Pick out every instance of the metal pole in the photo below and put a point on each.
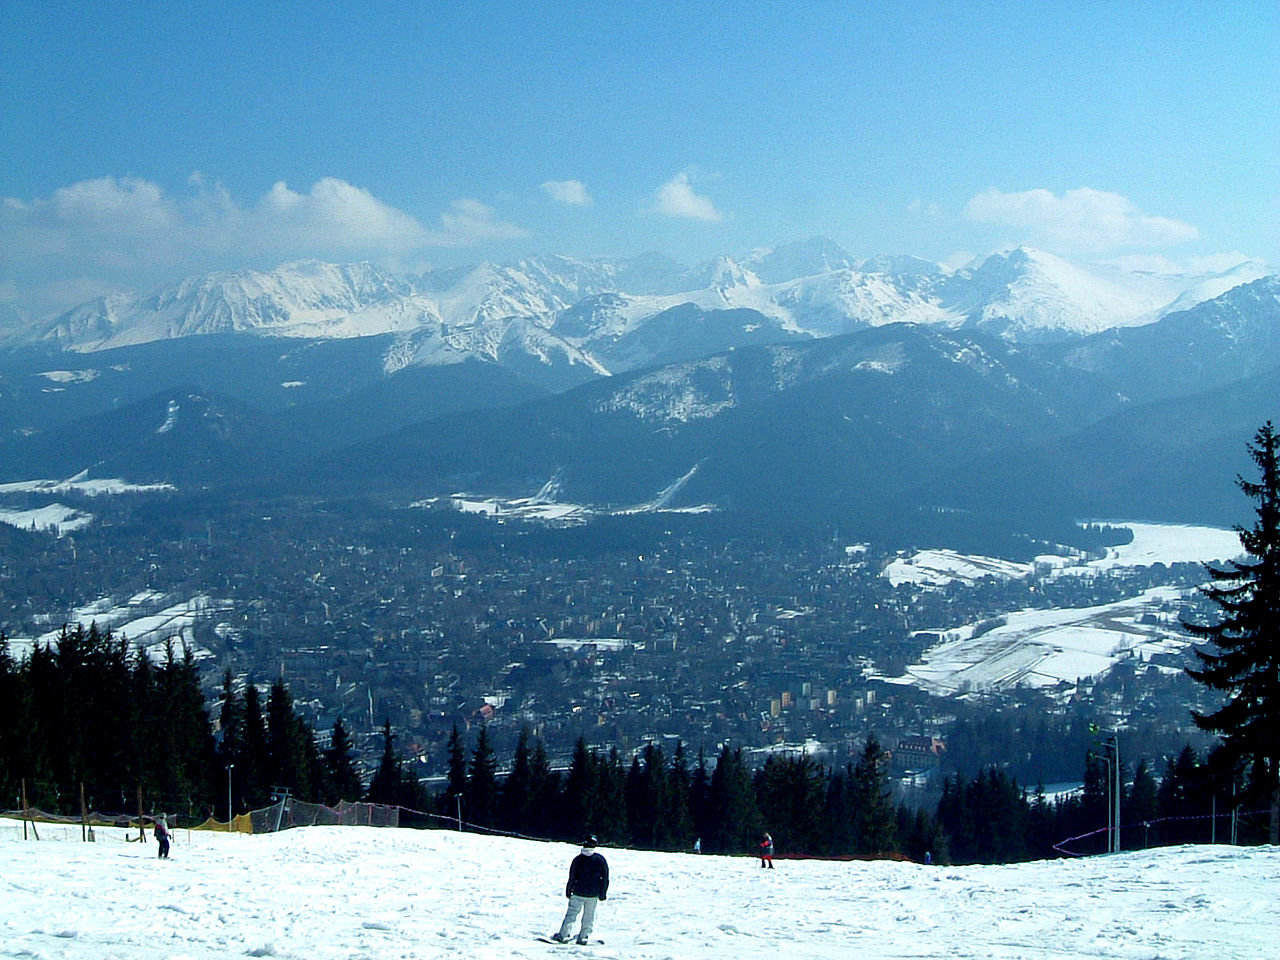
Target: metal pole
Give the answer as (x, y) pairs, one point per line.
(1110, 809)
(458, 797)
(1115, 739)
(230, 817)
(1213, 818)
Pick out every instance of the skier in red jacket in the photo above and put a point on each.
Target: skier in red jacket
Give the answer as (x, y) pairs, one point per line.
(766, 852)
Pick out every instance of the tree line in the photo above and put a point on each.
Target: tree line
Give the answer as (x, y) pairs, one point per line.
(88, 711)
(85, 711)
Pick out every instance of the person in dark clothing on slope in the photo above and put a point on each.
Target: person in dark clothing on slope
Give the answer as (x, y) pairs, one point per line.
(162, 836)
(588, 885)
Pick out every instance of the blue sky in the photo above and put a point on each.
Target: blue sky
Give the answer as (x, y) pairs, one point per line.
(144, 141)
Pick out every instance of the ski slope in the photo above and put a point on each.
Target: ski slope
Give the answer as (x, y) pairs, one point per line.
(361, 893)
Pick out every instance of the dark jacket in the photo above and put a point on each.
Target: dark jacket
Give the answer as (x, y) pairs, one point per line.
(588, 877)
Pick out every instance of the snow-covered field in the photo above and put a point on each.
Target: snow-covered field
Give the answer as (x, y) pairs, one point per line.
(1152, 543)
(360, 892)
(149, 620)
(55, 518)
(1040, 648)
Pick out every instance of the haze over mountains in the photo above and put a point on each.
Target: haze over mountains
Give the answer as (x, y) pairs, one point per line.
(795, 381)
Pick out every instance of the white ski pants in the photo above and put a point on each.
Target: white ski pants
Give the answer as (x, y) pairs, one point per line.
(587, 907)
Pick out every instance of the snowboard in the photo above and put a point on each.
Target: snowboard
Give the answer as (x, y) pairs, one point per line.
(571, 942)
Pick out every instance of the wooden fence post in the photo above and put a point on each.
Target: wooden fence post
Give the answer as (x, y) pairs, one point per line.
(142, 834)
(26, 813)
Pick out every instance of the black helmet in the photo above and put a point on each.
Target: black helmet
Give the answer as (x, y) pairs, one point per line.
(590, 842)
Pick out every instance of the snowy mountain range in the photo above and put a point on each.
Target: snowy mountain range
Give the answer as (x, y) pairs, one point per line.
(790, 383)
(567, 320)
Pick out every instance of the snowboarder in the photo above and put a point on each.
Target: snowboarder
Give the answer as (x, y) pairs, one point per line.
(588, 885)
(766, 852)
(162, 836)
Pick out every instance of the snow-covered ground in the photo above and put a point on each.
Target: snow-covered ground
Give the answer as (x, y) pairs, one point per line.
(360, 892)
(55, 518)
(149, 620)
(1152, 543)
(82, 484)
(1041, 648)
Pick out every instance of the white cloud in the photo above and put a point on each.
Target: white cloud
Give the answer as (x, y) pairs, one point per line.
(572, 192)
(676, 198)
(1082, 221)
(470, 221)
(106, 234)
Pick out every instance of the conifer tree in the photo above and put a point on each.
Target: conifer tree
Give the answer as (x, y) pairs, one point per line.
(579, 793)
(387, 784)
(456, 784)
(291, 751)
(791, 793)
(872, 802)
(544, 791)
(1138, 807)
(837, 812)
(648, 800)
(11, 723)
(700, 797)
(253, 767)
(517, 789)
(1245, 663)
(480, 796)
(342, 779)
(734, 823)
(231, 743)
(679, 815)
(607, 818)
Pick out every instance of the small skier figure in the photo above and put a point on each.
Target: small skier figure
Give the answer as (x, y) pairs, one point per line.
(588, 885)
(162, 836)
(766, 852)
(697, 845)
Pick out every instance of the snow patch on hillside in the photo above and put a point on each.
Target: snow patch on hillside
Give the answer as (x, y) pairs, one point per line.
(55, 518)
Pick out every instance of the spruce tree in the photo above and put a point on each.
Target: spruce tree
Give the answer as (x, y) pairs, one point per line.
(386, 785)
(579, 794)
(1246, 662)
(1139, 806)
(342, 778)
(480, 797)
(608, 814)
(253, 766)
(231, 744)
(791, 794)
(733, 821)
(700, 797)
(11, 723)
(872, 802)
(544, 793)
(514, 798)
(456, 784)
(680, 816)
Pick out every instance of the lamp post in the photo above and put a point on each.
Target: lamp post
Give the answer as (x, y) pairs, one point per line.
(230, 767)
(1114, 782)
(1110, 828)
(1115, 749)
